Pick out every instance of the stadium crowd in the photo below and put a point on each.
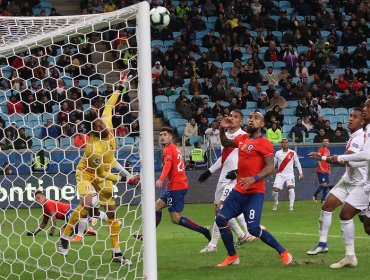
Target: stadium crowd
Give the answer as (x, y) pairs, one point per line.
(297, 62)
(284, 58)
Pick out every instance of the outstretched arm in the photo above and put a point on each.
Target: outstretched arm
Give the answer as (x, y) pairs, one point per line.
(42, 225)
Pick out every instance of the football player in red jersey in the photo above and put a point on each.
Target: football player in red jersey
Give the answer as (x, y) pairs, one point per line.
(177, 186)
(256, 161)
(57, 210)
(323, 171)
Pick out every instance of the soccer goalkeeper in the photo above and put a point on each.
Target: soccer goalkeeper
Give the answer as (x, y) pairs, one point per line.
(94, 172)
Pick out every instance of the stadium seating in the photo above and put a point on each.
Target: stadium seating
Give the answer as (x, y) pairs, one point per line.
(196, 138)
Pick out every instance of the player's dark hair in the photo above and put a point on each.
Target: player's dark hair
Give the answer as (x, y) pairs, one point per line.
(356, 109)
(38, 192)
(167, 129)
(325, 138)
(238, 111)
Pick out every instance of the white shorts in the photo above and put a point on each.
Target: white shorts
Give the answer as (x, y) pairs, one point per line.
(359, 200)
(342, 189)
(227, 189)
(282, 179)
(219, 191)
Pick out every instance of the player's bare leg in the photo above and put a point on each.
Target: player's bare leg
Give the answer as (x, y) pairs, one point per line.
(114, 228)
(330, 204)
(79, 213)
(348, 233)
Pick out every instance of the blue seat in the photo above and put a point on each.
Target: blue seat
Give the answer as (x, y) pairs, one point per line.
(225, 104)
(172, 98)
(310, 137)
(251, 105)
(217, 64)
(179, 89)
(173, 120)
(167, 107)
(196, 138)
(46, 116)
(129, 141)
(288, 112)
(341, 111)
(36, 143)
(157, 43)
(290, 120)
(168, 114)
(180, 130)
(302, 49)
(287, 127)
(160, 98)
(324, 34)
(96, 82)
(327, 111)
(65, 142)
(227, 65)
(279, 64)
(284, 4)
(50, 144)
(168, 43)
(180, 122)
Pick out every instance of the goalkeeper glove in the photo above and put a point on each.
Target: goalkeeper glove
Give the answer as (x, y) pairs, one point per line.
(31, 233)
(125, 79)
(204, 176)
(132, 180)
(231, 175)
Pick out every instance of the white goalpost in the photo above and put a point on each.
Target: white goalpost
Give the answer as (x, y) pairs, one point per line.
(57, 73)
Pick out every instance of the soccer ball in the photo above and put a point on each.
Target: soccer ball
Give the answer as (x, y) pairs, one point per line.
(159, 17)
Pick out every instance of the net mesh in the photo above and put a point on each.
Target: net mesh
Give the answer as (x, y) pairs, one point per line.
(56, 76)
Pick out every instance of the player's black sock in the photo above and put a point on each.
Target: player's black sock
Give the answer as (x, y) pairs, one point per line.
(267, 238)
(158, 217)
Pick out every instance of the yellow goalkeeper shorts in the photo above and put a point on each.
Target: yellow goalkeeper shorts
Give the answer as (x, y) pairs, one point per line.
(86, 184)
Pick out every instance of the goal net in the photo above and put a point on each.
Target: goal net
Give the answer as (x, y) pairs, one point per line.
(56, 75)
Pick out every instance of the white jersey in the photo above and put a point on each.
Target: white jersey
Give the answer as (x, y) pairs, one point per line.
(361, 158)
(355, 144)
(285, 162)
(229, 158)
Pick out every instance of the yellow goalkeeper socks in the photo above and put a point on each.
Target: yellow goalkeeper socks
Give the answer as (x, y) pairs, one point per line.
(114, 233)
(78, 214)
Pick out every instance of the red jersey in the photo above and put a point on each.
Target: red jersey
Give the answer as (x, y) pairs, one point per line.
(53, 206)
(173, 168)
(323, 152)
(252, 153)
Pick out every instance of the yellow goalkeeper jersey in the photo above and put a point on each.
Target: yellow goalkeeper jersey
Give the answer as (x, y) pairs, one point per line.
(99, 158)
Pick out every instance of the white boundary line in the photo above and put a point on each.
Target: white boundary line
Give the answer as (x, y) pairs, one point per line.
(45, 268)
(312, 234)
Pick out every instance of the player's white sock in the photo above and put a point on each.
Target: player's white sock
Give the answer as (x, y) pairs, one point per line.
(242, 221)
(82, 224)
(348, 233)
(324, 225)
(236, 228)
(275, 196)
(116, 250)
(215, 236)
(102, 216)
(291, 197)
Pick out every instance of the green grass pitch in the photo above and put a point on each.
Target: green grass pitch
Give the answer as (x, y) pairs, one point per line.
(178, 249)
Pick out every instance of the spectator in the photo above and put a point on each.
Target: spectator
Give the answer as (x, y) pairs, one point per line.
(288, 92)
(360, 99)
(298, 132)
(307, 123)
(207, 110)
(278, 100)
(337, 137)
(274, 115)
(321, 135)
(40, 163)
(213, 135)
(343, 131)
(263, 101)
(271, 54)
(134, 129)
(197, 100)
(110, 7)
(217, 109)
(121, 131)
(333, 101)
(328, 131)
(319, 123)
(345, 59)
(15, 106)
(347, 99)
(194, 85)
(5, 169)
(157, 70)
(8, 141)
(290, 58)
(81, 138)
(50, 130)
(23, 141)
(302, 108)
(273, 134)
(203, 125)
(191, 129)
(187, 109)
(301, 71)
